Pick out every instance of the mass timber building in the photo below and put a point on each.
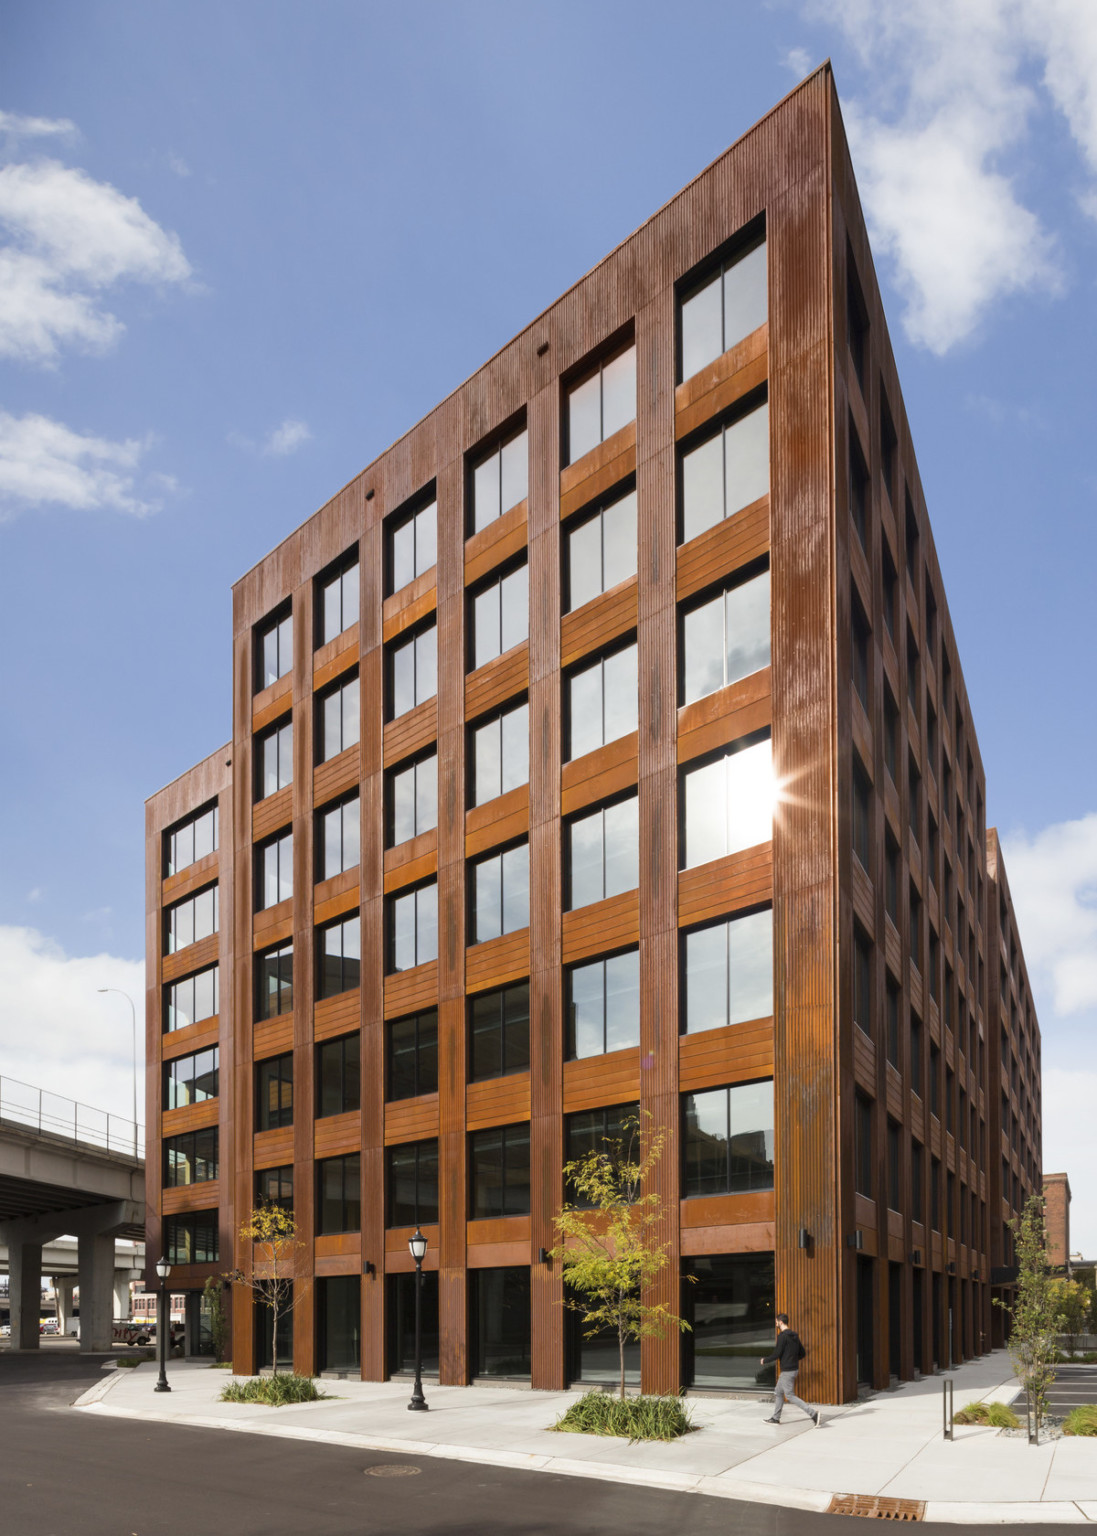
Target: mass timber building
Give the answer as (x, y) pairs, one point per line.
(604, 744)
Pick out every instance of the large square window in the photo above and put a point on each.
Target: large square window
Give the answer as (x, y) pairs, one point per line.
(725, 637)
(726, 305)
(728, 802)
(273, 648)
(192, 919)
(191, 1158)
(411, 799)
(274, 760)
(600, 550)
(339, 1194)
(725, 472)
(603, 853)
(338, 843)
(191, 999)
(499, 1172)
(412, 671)
(498, 1032)
(499, 480)
(602, 701)
(601, 403)
(500, 616)
(413, 1184)
(500, 754)
(602, 1005)
(412, 1056)
(411, 544)
(412, 927)
(499, 890)
(192, 840)
(274, 1092)
(339, 950)
(338, 718)
(274, 982)
(727, 1140)
(337, 600)
(728, 972)
(338, 1076)
(274, 872)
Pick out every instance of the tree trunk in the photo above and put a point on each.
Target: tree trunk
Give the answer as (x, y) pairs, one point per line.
(274, 1335)
(621, 1356)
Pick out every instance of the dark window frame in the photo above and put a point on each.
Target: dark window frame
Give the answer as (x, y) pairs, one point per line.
(277, 1069)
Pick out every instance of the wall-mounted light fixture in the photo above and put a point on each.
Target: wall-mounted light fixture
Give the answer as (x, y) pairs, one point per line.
(856, 1239)
(543, 1256)
(804, 1239)
(916, 1256)
(369, 1268)
(952, 1266)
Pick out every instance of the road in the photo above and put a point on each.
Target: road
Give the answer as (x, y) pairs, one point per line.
(72, 1474)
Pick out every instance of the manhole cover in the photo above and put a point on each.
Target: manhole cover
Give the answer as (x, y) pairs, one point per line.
(392, 1471)
(875, 1508)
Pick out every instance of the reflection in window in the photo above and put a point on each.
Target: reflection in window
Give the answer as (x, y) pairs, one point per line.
(413, 927)
(191, 1079)
(729, 304)
(500, 894)
(411, 799)
(726, 638)
(340, 952)
(274, 875)
(274, 1092)
(603, 853)
(274, 760)
(611, 1130)
(338, 602)
(339, 840)
(601, 550)
(191, 1158)
(274, 1187)
(192, 841)
(500, 752)
(191, 1238)
(192, 998)
(499, 1172)
(274, 982)
(339, 718)
(601, 404)
(412, 671)
(191, 920)
(728, 1140)
(339, 1189)
(726, 472)
(411, 545)
(499, 481)
(338, 1077)
(602, 1003)
(274, 649)
(499, 1033)
(602, 701)
(729, 802)
(500, 616)
(413, 1184)
(730, 1308)
(729, 972)
(412, 1055)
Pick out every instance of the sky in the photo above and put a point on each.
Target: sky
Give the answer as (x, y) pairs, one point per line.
(244, 246)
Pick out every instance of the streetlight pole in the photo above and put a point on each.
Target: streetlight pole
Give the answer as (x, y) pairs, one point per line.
(163, 1325)
(418, 1245)
(133, 1015)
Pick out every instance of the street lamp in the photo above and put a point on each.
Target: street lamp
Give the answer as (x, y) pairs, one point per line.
(418, 1245)
(163, 1325)
(133, 1015)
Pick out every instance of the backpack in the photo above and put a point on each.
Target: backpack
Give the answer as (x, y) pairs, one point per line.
(801, 1351)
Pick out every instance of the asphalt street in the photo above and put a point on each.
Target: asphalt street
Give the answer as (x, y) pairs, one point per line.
(72, 1474)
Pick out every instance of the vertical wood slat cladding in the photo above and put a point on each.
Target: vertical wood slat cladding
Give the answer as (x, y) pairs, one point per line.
(788, 168)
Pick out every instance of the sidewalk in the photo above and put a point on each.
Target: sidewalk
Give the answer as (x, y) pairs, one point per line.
(890, 1445)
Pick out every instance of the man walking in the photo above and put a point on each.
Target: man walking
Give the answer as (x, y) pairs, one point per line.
(788, 1353)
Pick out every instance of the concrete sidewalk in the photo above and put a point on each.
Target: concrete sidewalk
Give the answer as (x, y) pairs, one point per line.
(890, 1445)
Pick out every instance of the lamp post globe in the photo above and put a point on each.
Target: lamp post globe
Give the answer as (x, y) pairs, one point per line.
(417, 1244)
(163, 1325)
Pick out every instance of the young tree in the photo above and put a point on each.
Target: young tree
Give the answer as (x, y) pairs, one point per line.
(608, 1238)
(218, 1322)
(1033, 1342)
(271, 1235)
(1072, 1300)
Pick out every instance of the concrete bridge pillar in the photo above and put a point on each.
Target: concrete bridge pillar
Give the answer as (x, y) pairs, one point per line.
(64, 1286)
(95, 1263)
(121, 1297)
(25, 1291)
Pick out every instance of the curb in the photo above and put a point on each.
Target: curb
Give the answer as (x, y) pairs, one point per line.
(811, 1499)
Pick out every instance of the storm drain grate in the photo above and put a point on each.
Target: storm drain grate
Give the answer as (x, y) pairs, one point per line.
(875, 1508)
(392, 1470)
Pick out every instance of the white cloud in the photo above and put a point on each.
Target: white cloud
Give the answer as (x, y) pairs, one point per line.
(938, 133)
(798, 60)
(19, 127)
(57, 1033)
(43, 462)
(178, 165)
(287, 438)
(1070, 1146)
(69, 238)
(1053, 878)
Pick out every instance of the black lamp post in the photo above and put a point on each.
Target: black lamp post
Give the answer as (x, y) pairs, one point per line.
(163, 1325)
(418, 1245)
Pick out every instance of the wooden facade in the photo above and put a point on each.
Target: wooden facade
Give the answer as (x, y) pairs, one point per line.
(877, 1290)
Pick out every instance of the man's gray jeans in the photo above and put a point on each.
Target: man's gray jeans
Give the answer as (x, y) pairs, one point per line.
(785, 1392)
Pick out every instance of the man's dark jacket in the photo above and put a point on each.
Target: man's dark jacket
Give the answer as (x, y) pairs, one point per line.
(786, 1351)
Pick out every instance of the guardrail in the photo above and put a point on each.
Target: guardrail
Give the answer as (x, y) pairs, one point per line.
(53, 1115)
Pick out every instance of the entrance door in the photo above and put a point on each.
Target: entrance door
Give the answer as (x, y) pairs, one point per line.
(919, 1321)
(895, 1319)
(865, 1279)
(338, 1323)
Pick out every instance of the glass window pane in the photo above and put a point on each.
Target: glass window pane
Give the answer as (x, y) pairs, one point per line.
(585, 860)
(426, 794)
(516, 1028)
(702, 340)
(426, 665)
(486, 751)
(584, 418)
(622, 823)
(516, 1196)
(706, 813)
(427, 923)
(403, 932)
(705, 1132)
(706, 979)
(585, 710)
(403, 554)
(515, 472)
(426, 538)
(751, 1164)
(618, 393)
(619, 541)
(586, 1010)
(349, 695)
(703, 644)
(487, 900)
(485, 492)
(487, 1173)
(702, 487)
(514, 603)
(349, 583)
(204, 839)
(403, 806)
(428, 1181)
(623, 1001)
(331, 727)
(515, 734)
(747, 444)
(620, 693)
(750, 796)
(428, 1052)
(332, 623)
(403, 678)
(285, 756)
(750, 967)
(486, 1052)
(748, 628)
(402, 1078)
(584, 562)
(485, 625)
(516, 888)
(744, 296)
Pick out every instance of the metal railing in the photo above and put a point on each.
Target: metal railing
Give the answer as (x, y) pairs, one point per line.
(53, 1115)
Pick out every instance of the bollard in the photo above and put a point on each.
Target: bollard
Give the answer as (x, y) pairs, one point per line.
(947, 1408)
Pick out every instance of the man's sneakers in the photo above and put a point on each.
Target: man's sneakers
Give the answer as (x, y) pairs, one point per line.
(771, 1421)
(816, 1419)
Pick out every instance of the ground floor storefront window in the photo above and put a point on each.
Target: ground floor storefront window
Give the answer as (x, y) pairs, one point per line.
(338, 1323)
(730, 1307)
(500, 1313)
(199, 1324)
(401, 1322)
(264, 1336)
(597, 1360)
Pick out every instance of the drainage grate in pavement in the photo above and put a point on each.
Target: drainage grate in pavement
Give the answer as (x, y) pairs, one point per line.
(875, 1508)
(392, 1470)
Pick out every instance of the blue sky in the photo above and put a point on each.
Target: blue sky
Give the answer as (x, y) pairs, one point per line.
(245, 246)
